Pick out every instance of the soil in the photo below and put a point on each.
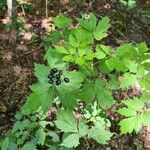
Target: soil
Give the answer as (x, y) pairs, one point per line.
(16, 67)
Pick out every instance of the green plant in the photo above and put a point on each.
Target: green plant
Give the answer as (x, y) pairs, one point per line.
(2, 8)
(128, 3)
(92, 71)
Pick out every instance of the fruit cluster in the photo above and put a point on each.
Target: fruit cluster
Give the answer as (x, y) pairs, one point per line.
(55, 76)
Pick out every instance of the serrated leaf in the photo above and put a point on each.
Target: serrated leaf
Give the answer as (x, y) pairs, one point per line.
(104, 95)
(113, 82)
(54, 136)
(135, 104)
(125, 49)
(99, 53)
(41, 72)
(132, 66)
(52, 57)
(104, 49)
(62, 21)
(83, 128)
(39, 99)
(80, 37)
(142, 47)
(127, 112)
(145, 82)
(128, 80)
(100, 135)
(89, 23)
(29, 146)
(146, 118)
(87, 93)
(55, 36)
(127, 125)
(116, 63)
(66, 121)
(61, 49)
(71, 141)
(105, 98)
(68, 58)
(131, 124)
(101, 29)
(41, 136)
(68, 91)
(90, 56)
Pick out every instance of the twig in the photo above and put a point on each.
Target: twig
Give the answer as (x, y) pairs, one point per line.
(46, 9)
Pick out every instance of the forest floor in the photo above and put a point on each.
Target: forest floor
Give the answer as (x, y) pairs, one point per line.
(16, 64)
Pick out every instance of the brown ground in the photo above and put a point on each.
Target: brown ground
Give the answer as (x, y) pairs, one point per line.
(16, 67)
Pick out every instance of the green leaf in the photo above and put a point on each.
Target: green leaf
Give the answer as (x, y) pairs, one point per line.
(128, 80)
(41, 136)
(68, 91)
(100, 135)
(142, 48)
(29, 146)
(42, 98)
(5, 144)
(125, 50)
(136, 115)
(71, 141)
(116, 63)
(127, 125)
(132, 66)
(127, 112)
(83, 128)
(66, 121)
(61, 49)
(100, 54)
(52, 57)
(113, 82)
(80, 37)
(87, 93)
(104, 95)
(62, 21)
(135, 104)
(101, 29)
(41, 72)
(145, 82)
(104, 48)
(68, 58)
(54, 136)
(89, 23)
(55, 36)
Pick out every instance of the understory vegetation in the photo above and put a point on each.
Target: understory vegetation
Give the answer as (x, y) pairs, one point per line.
(76, 85)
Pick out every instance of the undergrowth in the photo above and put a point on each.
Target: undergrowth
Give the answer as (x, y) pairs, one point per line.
(75, 87)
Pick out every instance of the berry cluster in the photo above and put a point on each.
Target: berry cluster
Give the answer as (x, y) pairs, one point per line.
(55, 76)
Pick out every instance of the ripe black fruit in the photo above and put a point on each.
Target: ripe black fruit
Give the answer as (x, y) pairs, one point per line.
(50, 81)
(58, 82)
(66, 80)
(57, 76)
(53, 71)
(50, 76)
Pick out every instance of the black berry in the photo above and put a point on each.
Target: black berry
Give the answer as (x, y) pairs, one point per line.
(58, 82)
(50, 81)
(66, 80)
(53, 71)
(57, 76)
(50, 76)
